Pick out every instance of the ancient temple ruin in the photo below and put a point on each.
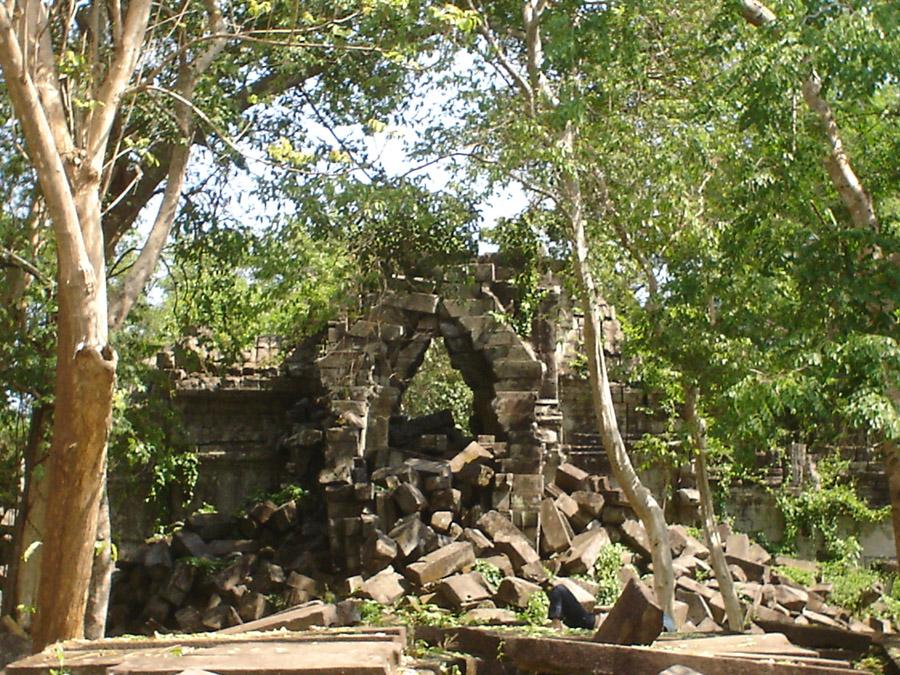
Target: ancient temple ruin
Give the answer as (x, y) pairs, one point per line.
(324, 413)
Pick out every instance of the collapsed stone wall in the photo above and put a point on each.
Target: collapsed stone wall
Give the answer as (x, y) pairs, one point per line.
(332, 399)
(321, 411)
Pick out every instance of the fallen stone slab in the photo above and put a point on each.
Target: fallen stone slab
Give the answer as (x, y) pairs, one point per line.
(378, 552)
(690, 565)
(556, 532)
(754, 571)
(635, 619)
(252, 606)
(494, 523)
(590, 506)
(501, 562)
(219, 617)
(584, 551)
(693, 586)
(821, 619)
(584, 598)
(314, 613)
(517, 548)
(281, 658)
(740, 545)
(190, 544)
(534, 572)
(441, 563)
(570, 478)
(478, 539)
(635, 537)
(566, 505)
(441, 521)
(491, 617)
(407, 533)
(164, 655)
(753, 647)
(285, 517)
(472, 453)
(818, 637)
(301, 588)
(410, 498)
(386, 587)
(792, 598)
(462, 591)
(557, 655)
(516, 592)
(426, 303)
(698, 606)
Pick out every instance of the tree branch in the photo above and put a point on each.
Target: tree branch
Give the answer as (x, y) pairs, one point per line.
(520, 81)
(75, 265)
(100, 119)
(143, 268)
(852, 193)
(11, 259)
(531, 15)
(41, 65)
(854, 196)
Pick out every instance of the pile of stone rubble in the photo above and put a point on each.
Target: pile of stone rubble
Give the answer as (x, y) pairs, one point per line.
(424, 525)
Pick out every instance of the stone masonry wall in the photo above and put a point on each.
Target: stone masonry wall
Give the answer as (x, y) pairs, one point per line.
(287, 415)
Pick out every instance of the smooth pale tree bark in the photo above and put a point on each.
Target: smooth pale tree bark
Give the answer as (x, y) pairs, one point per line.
(639, 497)
(862, 215)
(69, 165)
(188, 78)
(101, 572)
(843, 177)
(136, 280)
(68, 151)
(537, 96)
(22, 571)
(697, 427)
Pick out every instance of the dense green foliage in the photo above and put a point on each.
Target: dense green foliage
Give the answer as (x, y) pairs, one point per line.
(828, 512)
(438, 386)
(606, 573)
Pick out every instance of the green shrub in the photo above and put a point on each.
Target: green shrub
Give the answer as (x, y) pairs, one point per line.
(606, 573)
(851, 583)
(437, 385)
(535, 613)
(489, 571)
(371, 613)
(820, 511)
(802, 577)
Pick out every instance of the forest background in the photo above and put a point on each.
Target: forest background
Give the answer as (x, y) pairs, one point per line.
(725, 174)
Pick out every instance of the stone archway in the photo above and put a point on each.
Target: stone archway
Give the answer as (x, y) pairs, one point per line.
(368, 365)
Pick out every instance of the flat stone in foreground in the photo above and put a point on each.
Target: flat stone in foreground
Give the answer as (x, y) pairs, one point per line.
(331, 658)
(348, 652)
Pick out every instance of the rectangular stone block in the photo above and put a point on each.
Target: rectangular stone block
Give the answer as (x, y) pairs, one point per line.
(441, 563)
(425, 303)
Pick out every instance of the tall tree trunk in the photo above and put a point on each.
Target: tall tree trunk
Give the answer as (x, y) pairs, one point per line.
(85, 378)
(892, 468)
(697, 426)
(22, 575)
(101, 572)
(640, 498)
(891, 453)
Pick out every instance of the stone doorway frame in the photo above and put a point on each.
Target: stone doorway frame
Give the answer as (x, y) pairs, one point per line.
(368, 364)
